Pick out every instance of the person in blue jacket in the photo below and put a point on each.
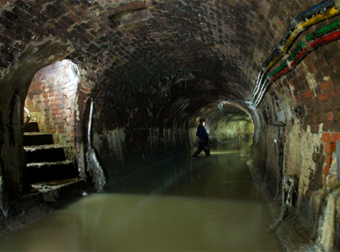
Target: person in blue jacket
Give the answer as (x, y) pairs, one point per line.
(203, 136)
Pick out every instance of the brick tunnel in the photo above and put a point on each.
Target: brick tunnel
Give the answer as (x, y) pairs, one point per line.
(119, 85)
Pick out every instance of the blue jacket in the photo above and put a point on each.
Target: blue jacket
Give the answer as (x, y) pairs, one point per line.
(202, 133)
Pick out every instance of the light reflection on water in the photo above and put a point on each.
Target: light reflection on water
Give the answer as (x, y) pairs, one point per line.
(204, 204)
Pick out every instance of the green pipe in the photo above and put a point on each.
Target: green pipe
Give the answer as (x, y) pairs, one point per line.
(277, 70)
(296, 50)
(324, 30)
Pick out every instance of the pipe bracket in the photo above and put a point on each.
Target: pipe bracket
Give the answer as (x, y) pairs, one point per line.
(300, 28)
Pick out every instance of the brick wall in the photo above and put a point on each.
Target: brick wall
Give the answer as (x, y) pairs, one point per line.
(51, 101)
(307, 100)
(222, 43)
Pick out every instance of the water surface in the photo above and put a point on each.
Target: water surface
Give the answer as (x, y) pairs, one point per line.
(188, 204)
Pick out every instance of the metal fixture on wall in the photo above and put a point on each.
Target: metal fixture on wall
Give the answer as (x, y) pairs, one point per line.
(289, 194)
(279, 148)
(93, 165)
(298, 111)
(338, 160)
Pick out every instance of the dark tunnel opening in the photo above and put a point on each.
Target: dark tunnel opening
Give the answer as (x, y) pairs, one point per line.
(145, 136)
(231, 123)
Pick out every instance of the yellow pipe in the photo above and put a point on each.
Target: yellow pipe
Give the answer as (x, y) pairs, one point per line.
(290, 40)
(300, 27)
(314, 20)
(274, 61)
(320, 17)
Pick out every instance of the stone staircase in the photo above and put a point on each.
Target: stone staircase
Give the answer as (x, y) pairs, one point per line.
(46, 161)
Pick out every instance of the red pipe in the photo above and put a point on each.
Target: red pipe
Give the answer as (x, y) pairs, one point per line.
(326, 39)
(300, 56)
(278, 75)
(319, 42)
(312, 46)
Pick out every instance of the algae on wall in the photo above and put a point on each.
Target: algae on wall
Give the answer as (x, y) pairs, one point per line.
(116, 139)
(233, 130)
(317, 201)
(301, 148)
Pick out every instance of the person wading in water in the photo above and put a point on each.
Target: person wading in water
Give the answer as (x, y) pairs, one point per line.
(203, 139)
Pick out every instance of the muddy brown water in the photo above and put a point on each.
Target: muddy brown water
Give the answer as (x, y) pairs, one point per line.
(188, 204)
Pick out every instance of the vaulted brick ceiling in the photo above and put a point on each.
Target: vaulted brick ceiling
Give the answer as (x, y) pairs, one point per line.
(200, 49)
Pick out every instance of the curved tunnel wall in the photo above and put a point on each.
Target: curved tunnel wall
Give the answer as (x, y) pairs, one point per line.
(305, 100)
(149, 77)
(137, 142)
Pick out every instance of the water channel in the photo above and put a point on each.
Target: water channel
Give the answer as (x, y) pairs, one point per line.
(187, 204)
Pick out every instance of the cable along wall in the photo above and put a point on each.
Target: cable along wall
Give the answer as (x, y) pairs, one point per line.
(327, 34)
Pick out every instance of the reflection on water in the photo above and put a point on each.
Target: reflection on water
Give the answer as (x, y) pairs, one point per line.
(189, 204)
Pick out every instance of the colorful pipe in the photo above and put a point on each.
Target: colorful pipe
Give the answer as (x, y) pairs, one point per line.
(321, 32)
(328, 11)
(299, 29)
(276, 74)
(323, 5)
(318, 13)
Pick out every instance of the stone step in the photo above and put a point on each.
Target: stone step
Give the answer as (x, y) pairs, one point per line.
(50, 171)
(44, 153)
(35, 138)
(31, 127)
(61, 191)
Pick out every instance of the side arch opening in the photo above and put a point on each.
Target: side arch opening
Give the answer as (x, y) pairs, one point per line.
(49, 138)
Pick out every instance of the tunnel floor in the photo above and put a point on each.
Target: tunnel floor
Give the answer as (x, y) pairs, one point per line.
(188, 204)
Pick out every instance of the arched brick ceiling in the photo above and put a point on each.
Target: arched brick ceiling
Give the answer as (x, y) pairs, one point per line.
(134, 48)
